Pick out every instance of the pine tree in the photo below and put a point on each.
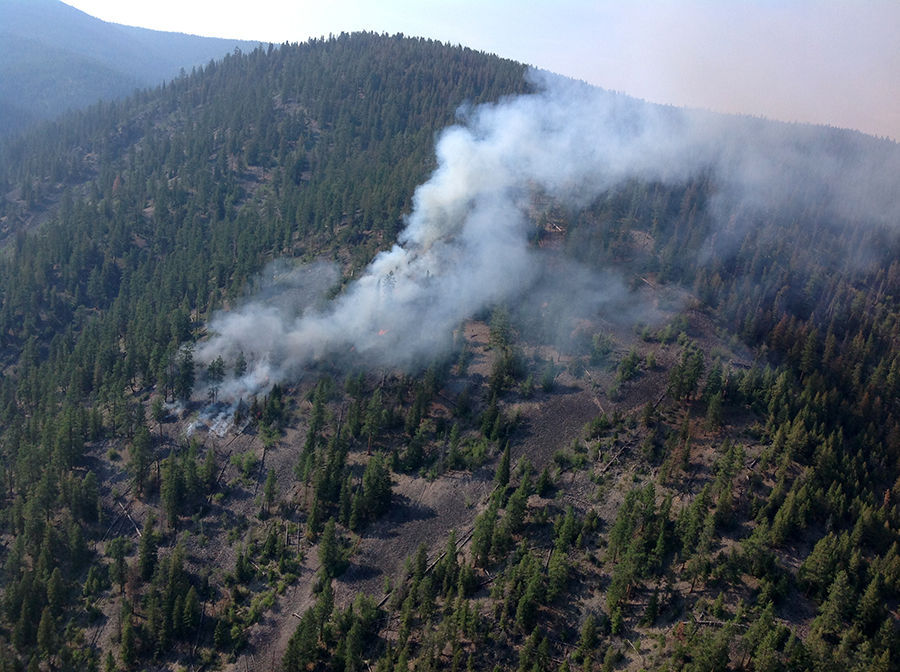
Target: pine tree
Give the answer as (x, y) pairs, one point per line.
(714, 411)
(446, 570)
(115, 549)
(147, 549)
(185, 376)
(353, 647)
(240, 365)
(46, 634)
(221, 638)
(330, 550)
(557, 575)
(190, 618)
(516, 508)
(128, 645)
(501, 476)
(376, 487)
(215, 374)
(172, 489)
(209, 471)
(483, 534)
(140, 457)
(314, 520)
(871, 610)
(55, 593)
(837, 607)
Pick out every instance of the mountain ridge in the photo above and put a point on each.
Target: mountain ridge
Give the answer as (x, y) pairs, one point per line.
(80, 59)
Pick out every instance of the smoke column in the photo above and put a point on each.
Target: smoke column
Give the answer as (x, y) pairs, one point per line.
(465, 244)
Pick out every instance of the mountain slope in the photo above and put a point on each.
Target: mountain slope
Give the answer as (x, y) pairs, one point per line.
(675, 448)
(54, 57)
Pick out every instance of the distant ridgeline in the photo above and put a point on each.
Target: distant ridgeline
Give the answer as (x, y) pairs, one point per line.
(54, 58)
(126, 225)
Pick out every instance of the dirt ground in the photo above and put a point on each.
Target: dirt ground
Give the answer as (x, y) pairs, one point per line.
(423, 510)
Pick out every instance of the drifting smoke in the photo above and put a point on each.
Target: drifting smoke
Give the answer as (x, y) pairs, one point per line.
(465, 245)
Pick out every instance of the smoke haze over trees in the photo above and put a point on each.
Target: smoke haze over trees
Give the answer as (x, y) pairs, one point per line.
(466, 243)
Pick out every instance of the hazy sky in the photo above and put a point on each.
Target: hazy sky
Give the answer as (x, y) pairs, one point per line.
(822, 61)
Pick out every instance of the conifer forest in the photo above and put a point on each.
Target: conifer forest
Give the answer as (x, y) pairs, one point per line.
(663, 435)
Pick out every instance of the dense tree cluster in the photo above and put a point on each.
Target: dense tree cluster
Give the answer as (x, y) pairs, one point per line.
(158, 209)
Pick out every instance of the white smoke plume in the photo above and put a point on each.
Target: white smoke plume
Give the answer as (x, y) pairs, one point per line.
(465, 244)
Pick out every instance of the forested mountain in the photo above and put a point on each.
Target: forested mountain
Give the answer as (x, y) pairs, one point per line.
(54, 57)
(703, 477)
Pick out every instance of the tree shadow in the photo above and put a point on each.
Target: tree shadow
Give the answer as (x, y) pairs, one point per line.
(360, 573)
(402, 511)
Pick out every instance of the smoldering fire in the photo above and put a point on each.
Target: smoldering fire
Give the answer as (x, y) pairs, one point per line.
(465, 243)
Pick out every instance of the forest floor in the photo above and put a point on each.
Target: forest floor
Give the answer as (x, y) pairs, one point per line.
(424, 508)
